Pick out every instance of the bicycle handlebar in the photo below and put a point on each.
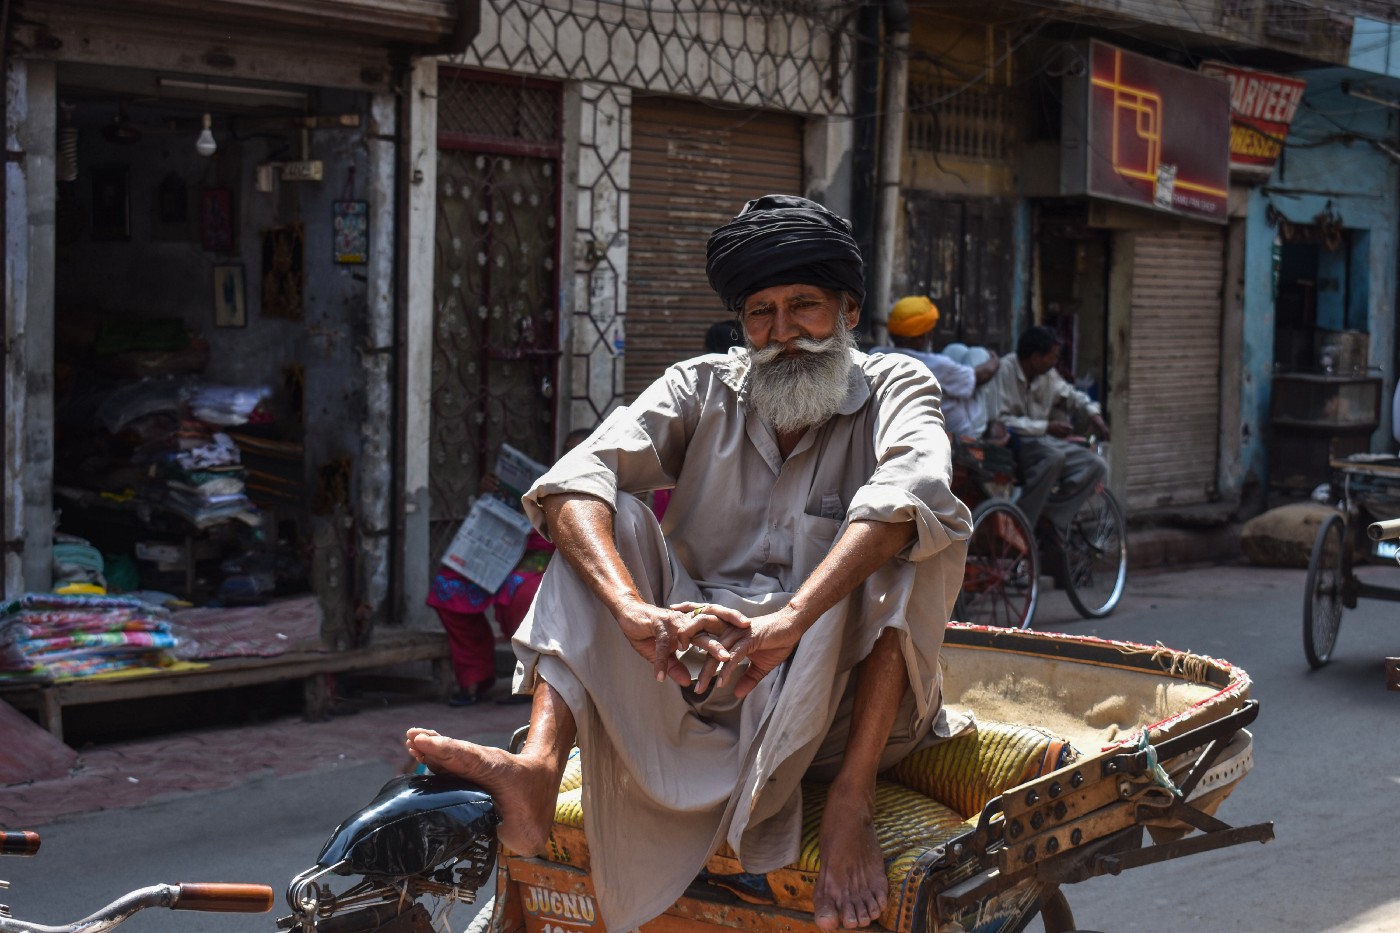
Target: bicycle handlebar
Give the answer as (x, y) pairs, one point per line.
(1383, 531)
(224, 898)
(19, 842)
(241, 898)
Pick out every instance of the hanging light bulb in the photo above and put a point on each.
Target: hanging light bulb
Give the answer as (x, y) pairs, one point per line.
(205, 145)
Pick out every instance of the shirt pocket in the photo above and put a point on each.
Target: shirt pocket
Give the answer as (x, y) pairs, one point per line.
(815, 536)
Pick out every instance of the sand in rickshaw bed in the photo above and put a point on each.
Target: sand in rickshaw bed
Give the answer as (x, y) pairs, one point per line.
(1094, 696)
(1073, 772)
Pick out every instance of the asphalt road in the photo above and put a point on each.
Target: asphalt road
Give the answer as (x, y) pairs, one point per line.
(264, 832)
(1327, 773)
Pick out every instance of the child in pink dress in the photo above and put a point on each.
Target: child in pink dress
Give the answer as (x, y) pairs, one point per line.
(461, 605)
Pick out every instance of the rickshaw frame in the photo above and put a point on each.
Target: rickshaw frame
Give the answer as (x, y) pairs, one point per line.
(1081, 821)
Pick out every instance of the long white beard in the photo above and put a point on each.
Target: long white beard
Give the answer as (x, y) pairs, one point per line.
(805, 389)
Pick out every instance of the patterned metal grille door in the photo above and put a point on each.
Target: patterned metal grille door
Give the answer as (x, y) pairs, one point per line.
(495, 346)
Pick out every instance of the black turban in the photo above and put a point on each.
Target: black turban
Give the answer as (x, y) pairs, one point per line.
(781, 239)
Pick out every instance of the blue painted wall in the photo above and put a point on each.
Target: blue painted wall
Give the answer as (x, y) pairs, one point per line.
(1375, 47)
(1330, 162)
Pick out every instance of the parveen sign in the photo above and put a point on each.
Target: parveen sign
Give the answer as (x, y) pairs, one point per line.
(1262, 107)
(1141, 131)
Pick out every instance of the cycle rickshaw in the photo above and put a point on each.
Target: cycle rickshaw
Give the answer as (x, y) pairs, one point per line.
(1365, 490)
(1001, 584)
(980, 833)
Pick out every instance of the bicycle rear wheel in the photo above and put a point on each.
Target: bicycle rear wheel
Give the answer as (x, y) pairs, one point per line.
(1322, 600)
(1096, 556)
(1001, 582)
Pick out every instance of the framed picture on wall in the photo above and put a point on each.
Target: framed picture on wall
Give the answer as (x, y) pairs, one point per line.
(216, 220)
(350, 232)
(111, 202)
(230, 304)
(283, 271)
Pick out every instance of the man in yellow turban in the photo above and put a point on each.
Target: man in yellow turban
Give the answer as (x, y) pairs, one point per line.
(910, 324)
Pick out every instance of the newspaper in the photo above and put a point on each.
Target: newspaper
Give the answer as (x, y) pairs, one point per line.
(517, 473)
(489, 544)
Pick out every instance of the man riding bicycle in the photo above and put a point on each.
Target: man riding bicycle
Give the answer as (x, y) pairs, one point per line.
(1057, 476)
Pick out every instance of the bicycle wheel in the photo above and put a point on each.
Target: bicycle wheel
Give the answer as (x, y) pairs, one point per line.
(1001, 583)
(1322, 600)
(1096, 556)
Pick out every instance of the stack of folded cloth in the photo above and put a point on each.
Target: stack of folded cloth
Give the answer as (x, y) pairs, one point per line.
(78, 567)
(205, 484)
(52, 637)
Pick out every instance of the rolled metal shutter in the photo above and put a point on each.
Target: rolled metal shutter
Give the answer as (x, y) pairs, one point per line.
(1174, 368)
(693, 167)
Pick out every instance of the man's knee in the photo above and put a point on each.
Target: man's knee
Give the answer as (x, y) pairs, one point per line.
(1087, 467)
(1098, 467)
(1043, 459)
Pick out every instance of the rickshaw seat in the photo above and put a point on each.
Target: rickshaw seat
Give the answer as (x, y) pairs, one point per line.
(928, 799)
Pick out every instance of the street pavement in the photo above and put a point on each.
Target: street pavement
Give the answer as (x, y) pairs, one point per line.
(256, 803)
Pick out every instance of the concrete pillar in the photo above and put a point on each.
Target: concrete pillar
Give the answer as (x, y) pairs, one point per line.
(31, 124)
(375, 477)
(417, 353)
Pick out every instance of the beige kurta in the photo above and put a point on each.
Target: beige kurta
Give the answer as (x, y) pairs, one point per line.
(1026, 406)
(669, 774)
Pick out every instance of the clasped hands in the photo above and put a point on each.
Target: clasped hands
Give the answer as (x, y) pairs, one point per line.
(726, 636)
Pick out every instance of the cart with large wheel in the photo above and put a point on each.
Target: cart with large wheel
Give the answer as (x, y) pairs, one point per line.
(1365, 493)
(985, 831)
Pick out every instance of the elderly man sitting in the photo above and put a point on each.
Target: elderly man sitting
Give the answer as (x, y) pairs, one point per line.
(784, 620)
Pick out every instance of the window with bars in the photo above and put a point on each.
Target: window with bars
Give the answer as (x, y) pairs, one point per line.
(979, 122)
(493, 110)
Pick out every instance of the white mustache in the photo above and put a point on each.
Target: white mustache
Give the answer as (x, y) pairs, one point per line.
(806, 344)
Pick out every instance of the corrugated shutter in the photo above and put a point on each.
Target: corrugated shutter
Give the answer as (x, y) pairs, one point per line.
(1174, 368)
(693, 167)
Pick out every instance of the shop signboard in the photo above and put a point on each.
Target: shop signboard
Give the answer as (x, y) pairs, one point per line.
(1262, 106)
(1143, 132)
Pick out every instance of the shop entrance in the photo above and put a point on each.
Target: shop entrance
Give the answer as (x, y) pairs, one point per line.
(206, 320)
(1324, 402)
(1320, 293)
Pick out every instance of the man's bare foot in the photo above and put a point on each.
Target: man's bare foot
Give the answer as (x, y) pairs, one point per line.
(851, 888)
(523, 786)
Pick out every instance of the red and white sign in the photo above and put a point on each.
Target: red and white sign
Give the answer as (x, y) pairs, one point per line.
(1262, 106)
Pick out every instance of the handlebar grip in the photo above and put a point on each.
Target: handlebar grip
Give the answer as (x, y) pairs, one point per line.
(224, 898)
(1381, 531)
(19, 842)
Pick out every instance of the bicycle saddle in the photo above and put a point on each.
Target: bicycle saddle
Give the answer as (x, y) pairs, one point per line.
(416, 824)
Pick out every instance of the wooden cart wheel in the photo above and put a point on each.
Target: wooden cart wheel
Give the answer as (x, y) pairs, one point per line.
(1001, 581)
(1322, 599)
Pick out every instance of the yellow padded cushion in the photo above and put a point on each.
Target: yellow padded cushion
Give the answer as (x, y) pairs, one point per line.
(967, 771)
(926, 800)
(573, 773)
(903, 818)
